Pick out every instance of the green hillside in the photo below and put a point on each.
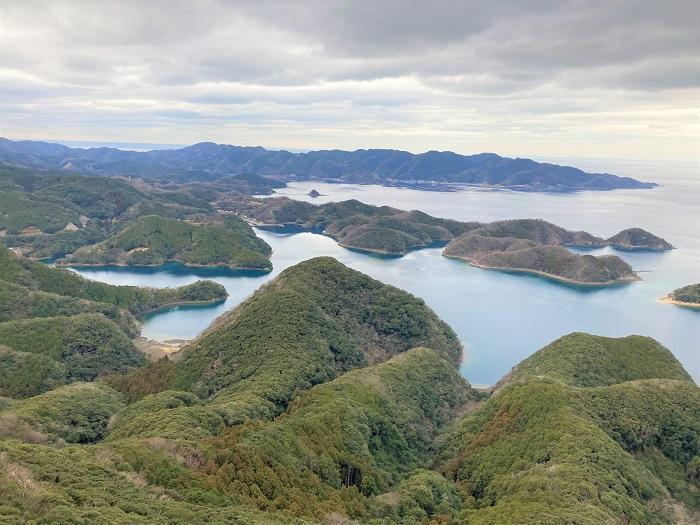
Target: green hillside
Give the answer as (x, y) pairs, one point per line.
(355, 224)
(331, 398)
(340, 442)
(551, 260)
(82, 347)
(154, 240)
(314, 322)
(552, 445)
(586, 360)
(77, 413)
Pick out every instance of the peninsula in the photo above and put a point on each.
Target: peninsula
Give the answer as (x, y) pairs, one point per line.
(152, 241)
(685, 296)
(524, 245)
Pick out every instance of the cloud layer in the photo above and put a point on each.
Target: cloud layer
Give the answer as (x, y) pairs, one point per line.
(578, 78)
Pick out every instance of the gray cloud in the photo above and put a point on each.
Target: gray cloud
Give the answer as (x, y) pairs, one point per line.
(409, 74)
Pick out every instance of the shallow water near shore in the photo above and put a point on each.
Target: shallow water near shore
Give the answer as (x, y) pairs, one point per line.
(500, 317)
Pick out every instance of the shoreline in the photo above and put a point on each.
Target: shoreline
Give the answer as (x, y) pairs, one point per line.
(211, 302)
(186, 265)
(155, 350)
(666, 299)
(550, 276)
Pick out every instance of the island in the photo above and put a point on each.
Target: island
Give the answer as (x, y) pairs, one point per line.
(635, 239)
(538, 247)
(524, 245)
(686, 296)
(331, 397)
(313, 194)
(210, 161)
(223, 241)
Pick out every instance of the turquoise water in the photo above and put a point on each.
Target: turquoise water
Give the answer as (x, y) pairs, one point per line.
(500, 318)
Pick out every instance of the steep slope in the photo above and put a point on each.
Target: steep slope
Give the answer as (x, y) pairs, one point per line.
(78, 348)
(624, 448)
(154, 240)
(342, 441)
(362, 166)
(317, 320)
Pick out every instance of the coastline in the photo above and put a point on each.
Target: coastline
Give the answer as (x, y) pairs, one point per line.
(210, 302)
(186, 265)
(666, 299)
(546, 275)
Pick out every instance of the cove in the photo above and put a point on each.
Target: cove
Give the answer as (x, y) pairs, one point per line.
(500, 317)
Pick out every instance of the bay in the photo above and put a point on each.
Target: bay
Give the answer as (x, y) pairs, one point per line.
(500, 317)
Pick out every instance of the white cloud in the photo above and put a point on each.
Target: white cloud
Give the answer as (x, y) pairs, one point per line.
(577, 78)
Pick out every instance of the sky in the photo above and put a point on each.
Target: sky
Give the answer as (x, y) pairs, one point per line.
(595, 79)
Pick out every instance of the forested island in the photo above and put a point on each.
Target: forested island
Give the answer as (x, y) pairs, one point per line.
(154, 240)
(208, 161)
(525, 245)
(356, 413)
(685, 296)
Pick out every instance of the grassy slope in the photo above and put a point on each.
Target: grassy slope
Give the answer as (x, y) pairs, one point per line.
(154, 240)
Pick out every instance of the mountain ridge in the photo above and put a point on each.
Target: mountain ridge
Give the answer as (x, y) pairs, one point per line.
(363, 166)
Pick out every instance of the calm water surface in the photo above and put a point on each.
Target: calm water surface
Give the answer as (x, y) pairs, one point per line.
(500, 318)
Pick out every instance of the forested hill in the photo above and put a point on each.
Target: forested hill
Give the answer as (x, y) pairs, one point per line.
(330, 397)
(207, 160)
(154, 240)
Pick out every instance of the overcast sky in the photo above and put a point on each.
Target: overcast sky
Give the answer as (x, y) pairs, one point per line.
(615, 79)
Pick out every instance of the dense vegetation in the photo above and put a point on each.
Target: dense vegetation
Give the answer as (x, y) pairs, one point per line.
(606, 445)
(586, 360)
(53, 350)
(57, 328)
(207, 160)
(329, 397)
(52, 214)
(687, 294)
(314, 322)
(154, 240)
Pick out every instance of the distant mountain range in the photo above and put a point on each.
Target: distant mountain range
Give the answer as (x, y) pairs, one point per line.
(208, 161)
